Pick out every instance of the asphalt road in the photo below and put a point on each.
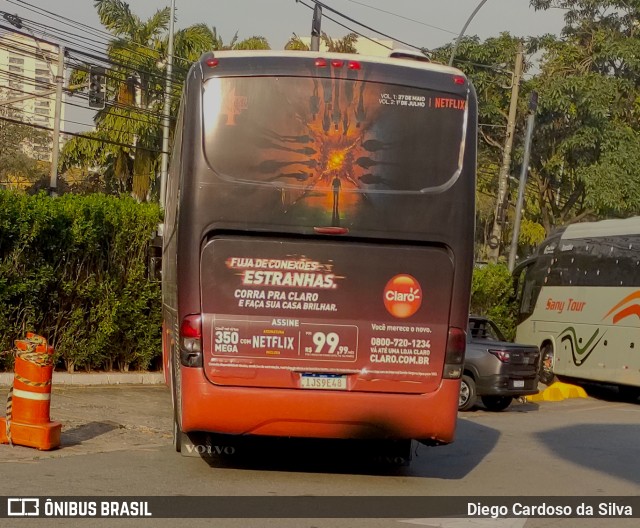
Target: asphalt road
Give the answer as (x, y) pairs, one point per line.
(117, 441)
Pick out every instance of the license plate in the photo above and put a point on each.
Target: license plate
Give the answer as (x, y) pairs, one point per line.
(518, 384)
(323, 381)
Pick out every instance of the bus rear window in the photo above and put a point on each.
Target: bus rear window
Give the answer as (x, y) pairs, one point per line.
(306, 135)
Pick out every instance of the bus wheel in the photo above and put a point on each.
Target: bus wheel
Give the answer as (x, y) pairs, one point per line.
(496, 403)
(467, 397)
(546, 365)
(177, 434)
(629, 393)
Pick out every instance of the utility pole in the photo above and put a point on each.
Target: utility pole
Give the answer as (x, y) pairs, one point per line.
(533, 105)
(164, 168)
(315, 28)
(503, 177)
(55, 152)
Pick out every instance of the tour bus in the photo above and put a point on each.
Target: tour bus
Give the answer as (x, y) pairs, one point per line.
(318, 247)
(579, 299)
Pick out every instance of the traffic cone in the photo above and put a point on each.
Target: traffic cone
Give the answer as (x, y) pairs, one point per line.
(28, 422)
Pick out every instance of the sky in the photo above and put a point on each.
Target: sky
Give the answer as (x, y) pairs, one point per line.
(421, 23)
(432, 22)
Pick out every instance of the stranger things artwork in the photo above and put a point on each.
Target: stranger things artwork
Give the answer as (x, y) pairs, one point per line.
(289, 153)
(336, 150)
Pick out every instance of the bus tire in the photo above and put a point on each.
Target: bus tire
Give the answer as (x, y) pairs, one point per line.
(629, 393)
(496, 403)
(545, 371)
(177, 434)
(467, 397)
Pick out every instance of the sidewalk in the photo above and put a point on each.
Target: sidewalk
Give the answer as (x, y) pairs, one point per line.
(97, 378)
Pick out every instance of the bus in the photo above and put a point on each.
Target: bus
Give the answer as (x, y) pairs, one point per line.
(579, 301)
(318, 247)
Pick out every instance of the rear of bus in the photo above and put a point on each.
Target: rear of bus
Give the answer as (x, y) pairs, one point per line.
(319, 246)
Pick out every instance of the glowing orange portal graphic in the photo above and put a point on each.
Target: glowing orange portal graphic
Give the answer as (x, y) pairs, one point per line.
(402, 296)
(337, 146)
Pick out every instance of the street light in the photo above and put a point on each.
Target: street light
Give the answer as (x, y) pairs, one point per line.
(464, 28)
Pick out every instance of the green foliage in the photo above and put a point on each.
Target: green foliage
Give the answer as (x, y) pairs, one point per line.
(346, 44)
(585, 157)
(135, 94)
(295, 43)
(492, 296)
(73, 269)
(15, 165)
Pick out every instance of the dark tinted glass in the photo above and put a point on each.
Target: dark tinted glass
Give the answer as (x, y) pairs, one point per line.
(308, 134)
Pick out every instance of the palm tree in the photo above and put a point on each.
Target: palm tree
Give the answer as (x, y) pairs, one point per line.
(346, 44)
(296, 44)
(135, 92)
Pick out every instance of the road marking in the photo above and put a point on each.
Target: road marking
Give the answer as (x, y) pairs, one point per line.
(469, 523)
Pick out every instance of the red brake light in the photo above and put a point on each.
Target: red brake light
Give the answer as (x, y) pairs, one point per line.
(321, 63)
(191, 327)
(353, 65)
(212, 63)
(454, 356)
(336, 63)
(458, 79)
(456, 346)
(502, 355)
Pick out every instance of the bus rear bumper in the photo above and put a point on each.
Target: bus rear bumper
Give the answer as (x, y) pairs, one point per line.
(430, 417)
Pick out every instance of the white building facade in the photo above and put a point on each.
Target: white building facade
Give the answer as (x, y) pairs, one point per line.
(29, 67)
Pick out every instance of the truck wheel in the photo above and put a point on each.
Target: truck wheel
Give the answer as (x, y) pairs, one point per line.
(496, 403)
(467, 397)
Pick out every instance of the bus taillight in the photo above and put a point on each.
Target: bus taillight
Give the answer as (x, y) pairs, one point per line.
(191, 341)
(212, 63)
(454, 357)
(458, 79)
(353, 65)
(321, 63)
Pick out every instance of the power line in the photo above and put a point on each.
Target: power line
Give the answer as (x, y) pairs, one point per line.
(403, 17)
(347, 27)
(37, 84)
(75, 24)
(75, 134)
(97, 55)
(354, 21)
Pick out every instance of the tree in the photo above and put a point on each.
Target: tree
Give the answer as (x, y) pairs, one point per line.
(133, 117)
(16, 166)
(587, 140)
(346, 44)
(489, 64)
(295, 43)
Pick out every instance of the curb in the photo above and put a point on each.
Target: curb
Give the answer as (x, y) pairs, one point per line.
(557, 392)
(97, 378)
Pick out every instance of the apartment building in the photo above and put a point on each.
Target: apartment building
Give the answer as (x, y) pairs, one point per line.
(29, 67)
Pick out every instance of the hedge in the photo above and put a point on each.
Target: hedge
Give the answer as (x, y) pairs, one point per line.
(74, 269)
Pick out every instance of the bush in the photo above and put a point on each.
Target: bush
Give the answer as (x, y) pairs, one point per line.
(73, 269)
(492, 296)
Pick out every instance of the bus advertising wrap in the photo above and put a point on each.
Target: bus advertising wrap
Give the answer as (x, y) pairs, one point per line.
(313, 315)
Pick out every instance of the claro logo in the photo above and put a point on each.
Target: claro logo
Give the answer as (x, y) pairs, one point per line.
(402, 296)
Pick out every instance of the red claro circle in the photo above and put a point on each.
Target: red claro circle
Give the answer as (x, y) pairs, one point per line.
(402, 296)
